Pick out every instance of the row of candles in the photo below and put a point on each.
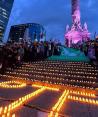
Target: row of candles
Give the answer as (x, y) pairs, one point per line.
(81, 81)
(12, 84)
(47, 80)
(64, 65)
(66, 81)
(59, 62)
(62, 84)
(67, 66)
(81, 93)
(13, 77)
(56, 108)
(50, 61)
(54, 71)
(47, 87)
(4, 111)
(61, 65)
(59, 69)
(50, 80)
(45, 73)
(9, 84)
(25, 69)
(74, 92)
(30, 70)
(59, 78)
(8, 115)
(82, 99)
(62, 68)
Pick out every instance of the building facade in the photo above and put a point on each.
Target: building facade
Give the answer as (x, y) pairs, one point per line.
(5, 10)
(27, 32)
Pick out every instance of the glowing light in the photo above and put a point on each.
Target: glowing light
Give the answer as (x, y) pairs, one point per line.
(1, 109)
(13, 106)
(83, 93)
(47, 87)
(85, 100)
(56, 108)
(8, 114)
(77, 33)
(13, 115)
(10, 84)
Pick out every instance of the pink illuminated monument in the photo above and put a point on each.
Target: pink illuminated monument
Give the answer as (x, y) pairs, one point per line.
(77, 33)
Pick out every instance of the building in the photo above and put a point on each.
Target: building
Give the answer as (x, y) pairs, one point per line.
(5, 10)
(27, 32)
(76, 34)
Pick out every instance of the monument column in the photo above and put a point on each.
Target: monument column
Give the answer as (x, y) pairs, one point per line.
(75, 11)
(76, 33)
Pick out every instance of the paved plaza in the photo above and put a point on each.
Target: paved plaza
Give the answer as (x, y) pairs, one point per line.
(41, 105)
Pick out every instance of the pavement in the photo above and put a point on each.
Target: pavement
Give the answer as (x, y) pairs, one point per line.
(41, 105)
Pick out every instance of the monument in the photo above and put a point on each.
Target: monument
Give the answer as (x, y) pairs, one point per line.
(76, 33)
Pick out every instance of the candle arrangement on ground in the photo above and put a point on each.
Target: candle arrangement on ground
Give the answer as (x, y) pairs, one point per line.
(77, 81)
(12, 84)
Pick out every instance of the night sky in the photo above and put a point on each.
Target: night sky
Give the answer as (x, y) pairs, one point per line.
(54, 15)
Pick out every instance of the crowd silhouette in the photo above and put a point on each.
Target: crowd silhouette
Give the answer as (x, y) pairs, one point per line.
(13, 54)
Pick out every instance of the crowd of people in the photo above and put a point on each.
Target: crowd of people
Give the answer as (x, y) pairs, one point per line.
(90, 49)
(13, 54)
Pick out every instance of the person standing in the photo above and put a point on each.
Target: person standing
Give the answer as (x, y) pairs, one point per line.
(91, 53)
(85, 49)
(96, 50)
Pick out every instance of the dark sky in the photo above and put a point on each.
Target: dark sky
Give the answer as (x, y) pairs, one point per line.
(54, 15)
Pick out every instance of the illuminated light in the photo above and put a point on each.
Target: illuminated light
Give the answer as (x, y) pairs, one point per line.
(90, 101)
(82, 93)
(56, 115)
(80, 99)
(5, 110)
(14, 105)
(96, 102)
(3, 115)
(86, 100)
(1, 109)
(76, 98)
(13, 115)
(56, 108)
(7, 84)
(49, 88)
(8, 114)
